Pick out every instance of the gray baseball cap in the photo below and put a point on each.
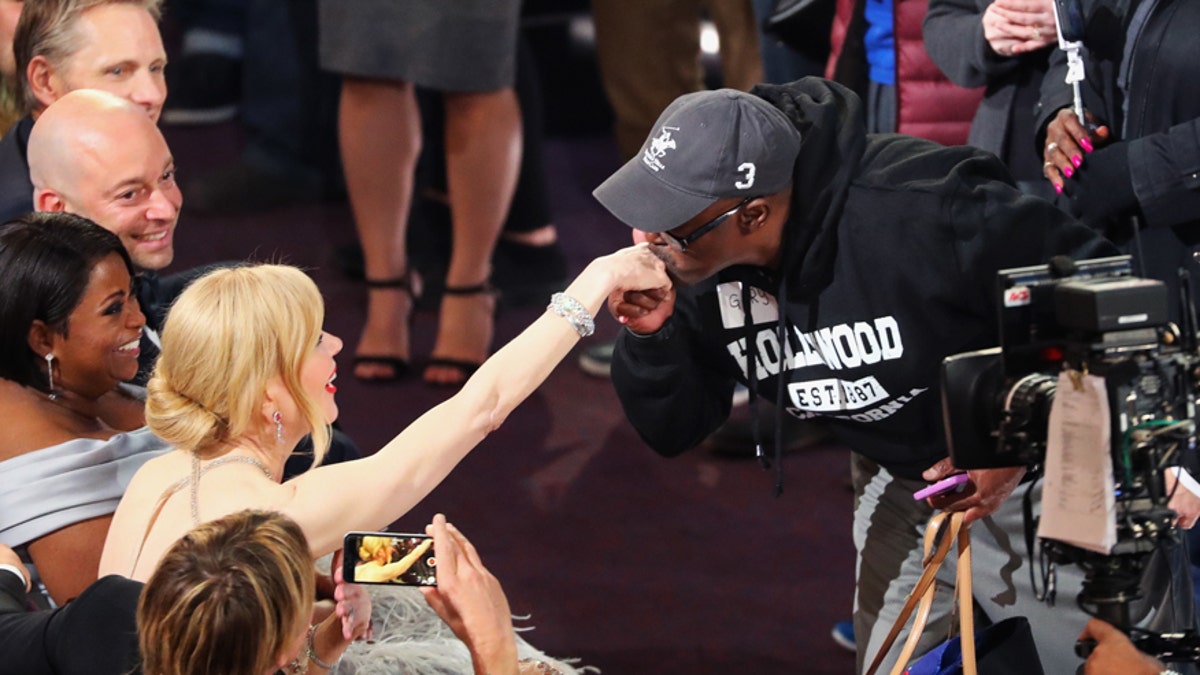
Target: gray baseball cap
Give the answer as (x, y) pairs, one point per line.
(706, 146)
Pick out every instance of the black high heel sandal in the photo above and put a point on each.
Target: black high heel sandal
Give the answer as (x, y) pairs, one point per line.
(410, 283)
(464, 367)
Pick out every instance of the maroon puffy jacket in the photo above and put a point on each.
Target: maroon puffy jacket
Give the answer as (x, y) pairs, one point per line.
(927, 104)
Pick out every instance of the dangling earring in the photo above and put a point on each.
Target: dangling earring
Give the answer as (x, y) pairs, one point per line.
(278, 419)
(50, 375)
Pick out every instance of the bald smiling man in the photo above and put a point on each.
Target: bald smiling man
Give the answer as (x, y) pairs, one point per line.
(99, 156)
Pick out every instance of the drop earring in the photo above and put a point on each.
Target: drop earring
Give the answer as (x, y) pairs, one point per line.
(278, 419)
(50, 376)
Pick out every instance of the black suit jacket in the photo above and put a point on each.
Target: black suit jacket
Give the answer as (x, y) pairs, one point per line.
(16, 190)
(94, 634)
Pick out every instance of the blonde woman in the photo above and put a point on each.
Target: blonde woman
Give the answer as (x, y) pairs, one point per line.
(246, 370)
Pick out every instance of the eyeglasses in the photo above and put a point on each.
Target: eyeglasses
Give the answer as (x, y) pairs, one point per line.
(681, 243)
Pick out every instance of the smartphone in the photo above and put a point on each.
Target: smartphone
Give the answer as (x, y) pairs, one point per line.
(389, 558)
(954, 483)
(1068, 14)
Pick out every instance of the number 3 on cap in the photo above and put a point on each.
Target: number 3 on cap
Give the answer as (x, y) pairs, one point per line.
(747, 167)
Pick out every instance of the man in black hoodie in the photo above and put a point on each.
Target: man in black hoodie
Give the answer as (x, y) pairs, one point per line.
(831, 272)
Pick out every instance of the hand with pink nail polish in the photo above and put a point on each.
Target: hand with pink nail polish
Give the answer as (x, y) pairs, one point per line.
(1066, 142)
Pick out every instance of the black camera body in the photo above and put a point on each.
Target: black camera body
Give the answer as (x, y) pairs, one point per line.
(1091, 317)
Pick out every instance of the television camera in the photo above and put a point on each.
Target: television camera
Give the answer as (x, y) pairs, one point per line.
(1094, 317)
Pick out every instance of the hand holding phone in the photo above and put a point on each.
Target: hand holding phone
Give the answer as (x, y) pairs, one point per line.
(954, 483)
(389, 558)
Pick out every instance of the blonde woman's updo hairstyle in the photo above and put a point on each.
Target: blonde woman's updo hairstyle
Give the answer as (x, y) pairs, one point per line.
(229, 597)
(225, 337)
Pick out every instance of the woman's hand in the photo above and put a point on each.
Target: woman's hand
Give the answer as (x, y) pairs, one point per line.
(1013, 27)
(353, 604)
(636, 268)
(1067, 143)
(469, 598)
(644, 306)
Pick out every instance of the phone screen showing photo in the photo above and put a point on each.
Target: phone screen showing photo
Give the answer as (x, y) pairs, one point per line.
(388, 558)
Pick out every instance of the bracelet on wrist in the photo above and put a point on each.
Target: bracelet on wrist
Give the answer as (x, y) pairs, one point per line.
(574, 312)
(311, 652)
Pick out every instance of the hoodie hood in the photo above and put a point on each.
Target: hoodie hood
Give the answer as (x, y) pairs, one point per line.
(832, 126)
(832, 129)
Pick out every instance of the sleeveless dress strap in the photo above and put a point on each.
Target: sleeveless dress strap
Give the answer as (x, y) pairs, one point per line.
(192, 481)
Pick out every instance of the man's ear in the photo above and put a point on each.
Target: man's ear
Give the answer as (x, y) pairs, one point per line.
(48, 201)
(753, 215)
(41, 338)
(44, 82)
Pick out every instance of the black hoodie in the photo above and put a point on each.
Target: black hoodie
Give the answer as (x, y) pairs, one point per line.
(889, 264)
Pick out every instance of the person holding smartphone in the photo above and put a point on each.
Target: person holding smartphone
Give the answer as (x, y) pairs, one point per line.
(111, 628)
(197, 614)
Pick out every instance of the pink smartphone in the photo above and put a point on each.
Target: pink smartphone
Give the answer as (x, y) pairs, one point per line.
(955, 483)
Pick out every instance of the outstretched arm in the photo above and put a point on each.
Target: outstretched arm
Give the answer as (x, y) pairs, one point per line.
(370, 493)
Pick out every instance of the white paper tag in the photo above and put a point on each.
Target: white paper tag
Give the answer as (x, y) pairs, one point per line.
(763, 306)
(1078, 506)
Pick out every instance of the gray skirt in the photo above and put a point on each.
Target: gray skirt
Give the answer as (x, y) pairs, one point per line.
(447, 45)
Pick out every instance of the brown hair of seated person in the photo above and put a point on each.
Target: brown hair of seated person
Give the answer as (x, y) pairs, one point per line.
(234, 595)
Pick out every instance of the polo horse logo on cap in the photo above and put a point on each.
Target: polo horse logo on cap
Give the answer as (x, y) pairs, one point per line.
(659, 145)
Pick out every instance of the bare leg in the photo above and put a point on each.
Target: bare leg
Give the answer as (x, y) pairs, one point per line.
(547, 235)
(379, 128)
(483, 157)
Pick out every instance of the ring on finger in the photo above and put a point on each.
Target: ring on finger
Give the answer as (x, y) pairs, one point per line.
(1037, 34)
(1051, 147)
(1047, 165)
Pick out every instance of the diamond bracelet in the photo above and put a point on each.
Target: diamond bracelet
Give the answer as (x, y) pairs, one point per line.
(574, 312)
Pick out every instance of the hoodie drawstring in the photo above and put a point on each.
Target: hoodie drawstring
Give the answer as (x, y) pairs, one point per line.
(752, 375)
(752, 379)
(780, 409)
